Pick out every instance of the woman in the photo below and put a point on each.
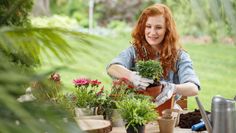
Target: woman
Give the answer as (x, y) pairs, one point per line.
(155, 37)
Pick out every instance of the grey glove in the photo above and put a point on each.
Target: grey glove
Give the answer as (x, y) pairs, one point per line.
(139, 82)
(167, 92)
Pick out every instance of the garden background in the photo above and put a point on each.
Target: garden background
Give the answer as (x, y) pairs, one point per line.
(80, 37)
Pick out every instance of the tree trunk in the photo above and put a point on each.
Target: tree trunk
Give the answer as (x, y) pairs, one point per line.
(91, 7)
(41, 8)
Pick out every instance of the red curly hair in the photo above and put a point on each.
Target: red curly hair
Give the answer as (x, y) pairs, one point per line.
(168, 49)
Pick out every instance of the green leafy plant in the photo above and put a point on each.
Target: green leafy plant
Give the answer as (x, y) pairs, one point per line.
(121, 88)
(52, 43)
(149, 69)
(88, 92)
(137, 111)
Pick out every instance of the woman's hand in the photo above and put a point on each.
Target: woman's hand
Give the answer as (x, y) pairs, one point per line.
(168, 90)
(138, 81)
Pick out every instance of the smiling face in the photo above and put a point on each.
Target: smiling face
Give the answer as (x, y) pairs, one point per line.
(155, 29)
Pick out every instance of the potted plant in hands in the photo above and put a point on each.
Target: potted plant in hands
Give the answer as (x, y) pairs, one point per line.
(153, 70)
(136, 113)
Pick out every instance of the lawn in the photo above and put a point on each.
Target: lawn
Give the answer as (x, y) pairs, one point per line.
(215, 65)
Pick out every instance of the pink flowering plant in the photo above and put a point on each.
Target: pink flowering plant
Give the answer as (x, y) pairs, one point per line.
(89, 92)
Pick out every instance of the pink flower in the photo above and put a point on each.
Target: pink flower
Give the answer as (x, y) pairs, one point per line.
(81, 81)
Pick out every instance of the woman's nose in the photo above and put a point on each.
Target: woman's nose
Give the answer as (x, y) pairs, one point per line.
(153, 31)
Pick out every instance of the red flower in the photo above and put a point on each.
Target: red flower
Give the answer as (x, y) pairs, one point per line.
(95, 82)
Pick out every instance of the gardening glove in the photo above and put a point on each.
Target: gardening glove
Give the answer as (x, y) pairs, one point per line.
(168, 89)
(139, 82)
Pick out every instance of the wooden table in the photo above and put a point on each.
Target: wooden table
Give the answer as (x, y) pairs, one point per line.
(95, 124)
(153, 128)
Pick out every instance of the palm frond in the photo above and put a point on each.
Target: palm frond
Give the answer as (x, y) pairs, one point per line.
(19, 46)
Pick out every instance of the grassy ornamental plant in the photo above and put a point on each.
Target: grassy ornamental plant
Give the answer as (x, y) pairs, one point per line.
(137, 111)
(149, 69)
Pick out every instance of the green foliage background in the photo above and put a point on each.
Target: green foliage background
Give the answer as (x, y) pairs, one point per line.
(215, 18)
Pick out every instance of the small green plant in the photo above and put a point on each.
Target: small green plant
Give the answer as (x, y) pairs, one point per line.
(137, 111)
(121, 88)
(149, 69)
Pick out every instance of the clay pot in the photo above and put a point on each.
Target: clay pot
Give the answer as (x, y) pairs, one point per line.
(167, 105)
(152, 91)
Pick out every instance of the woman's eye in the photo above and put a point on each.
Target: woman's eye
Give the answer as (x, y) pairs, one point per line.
(148, 26)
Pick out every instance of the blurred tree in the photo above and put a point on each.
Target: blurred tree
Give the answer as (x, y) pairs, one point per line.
(198, 17)
(15, 12)
(193, 17)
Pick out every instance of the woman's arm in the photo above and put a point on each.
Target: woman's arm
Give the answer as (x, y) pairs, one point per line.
(119, 71)
(186, 89)
(189, 84)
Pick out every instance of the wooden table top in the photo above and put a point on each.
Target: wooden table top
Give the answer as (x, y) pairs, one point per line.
(90, 124)
(153, 128)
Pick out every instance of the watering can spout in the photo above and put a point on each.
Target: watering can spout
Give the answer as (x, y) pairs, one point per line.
(204, 115)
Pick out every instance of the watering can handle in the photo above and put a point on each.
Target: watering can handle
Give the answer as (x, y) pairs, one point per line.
(204, 116)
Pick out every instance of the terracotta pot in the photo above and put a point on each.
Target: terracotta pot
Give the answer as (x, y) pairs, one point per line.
(167, 105)
(152, 91)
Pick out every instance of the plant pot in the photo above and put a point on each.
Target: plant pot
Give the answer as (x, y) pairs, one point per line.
(166, 125)
(84, 111)
(136, 129)
(166, 105)
(116, 119)
(172, 113)
(152, 91)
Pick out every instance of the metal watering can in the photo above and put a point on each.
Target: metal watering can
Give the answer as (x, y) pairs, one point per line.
(223, 115)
